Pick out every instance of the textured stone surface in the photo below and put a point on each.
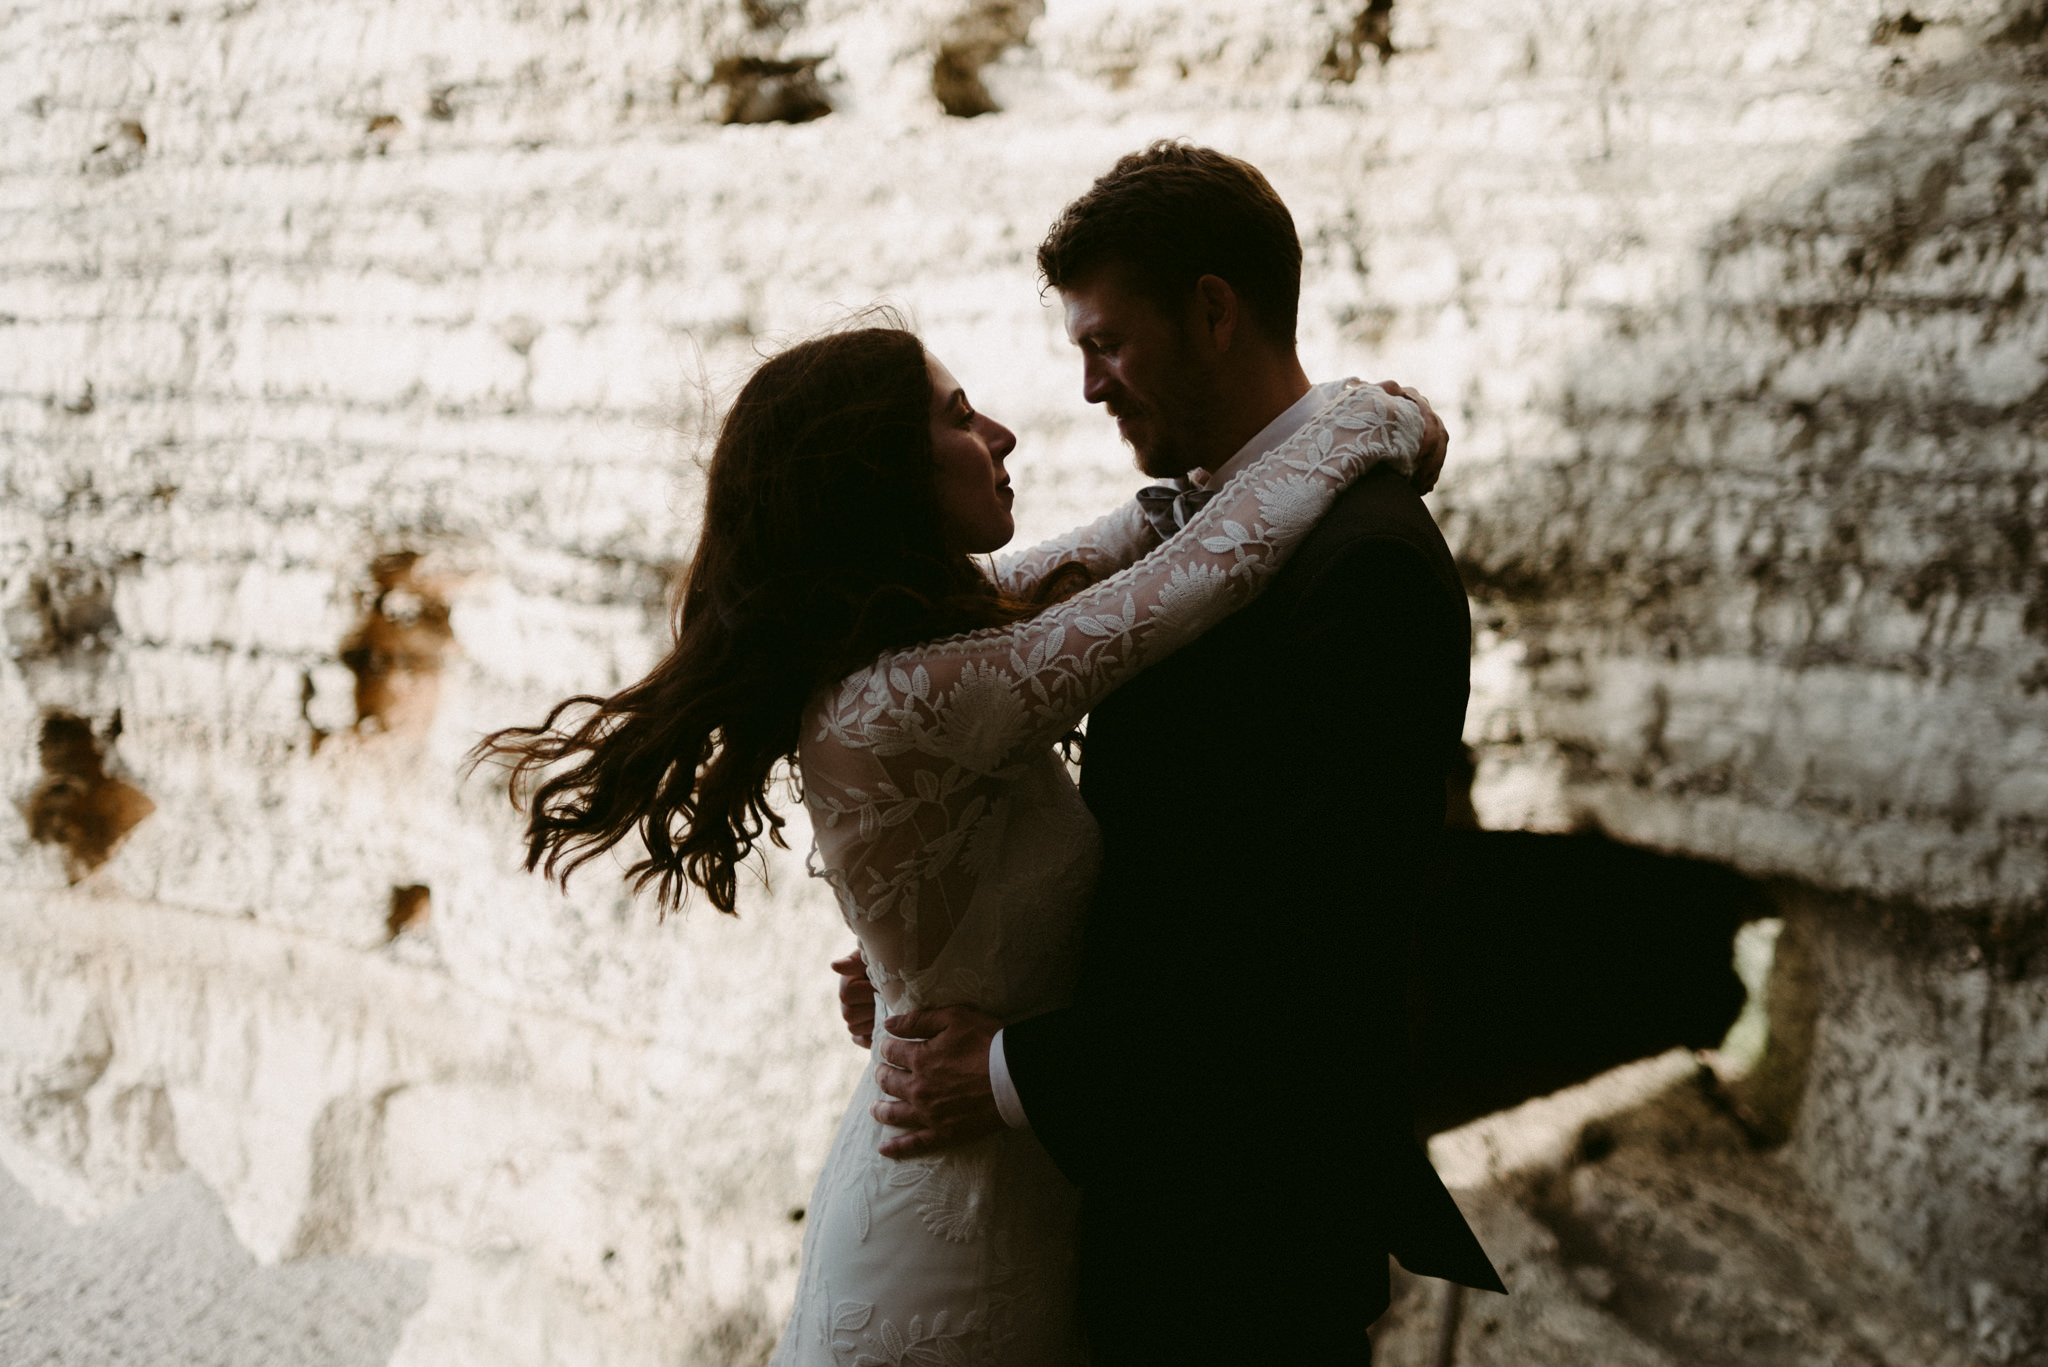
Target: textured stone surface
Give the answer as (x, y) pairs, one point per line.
(1778, 600)
(552, 1190)
(1636, 1226)
(339, 347)
(165, 1283)
(1923, 1123)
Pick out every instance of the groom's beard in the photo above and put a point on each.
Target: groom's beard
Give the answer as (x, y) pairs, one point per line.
(1152, 445)
(1176, 405)
(1163, 446)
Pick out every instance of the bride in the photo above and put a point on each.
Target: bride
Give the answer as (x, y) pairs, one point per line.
(833, 616)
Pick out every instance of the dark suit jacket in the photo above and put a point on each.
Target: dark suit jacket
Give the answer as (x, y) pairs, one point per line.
(1229, 1089)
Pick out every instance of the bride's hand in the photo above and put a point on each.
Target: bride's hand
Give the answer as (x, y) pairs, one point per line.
(935, 1066)
(1436, 441)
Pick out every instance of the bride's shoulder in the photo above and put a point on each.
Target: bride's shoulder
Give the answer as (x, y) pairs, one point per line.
(871, 701)
(841, 696)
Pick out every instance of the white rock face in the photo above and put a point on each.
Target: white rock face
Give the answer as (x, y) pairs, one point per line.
(1779, 600)
(521, 1185)
(165, 1282)
(342, 352)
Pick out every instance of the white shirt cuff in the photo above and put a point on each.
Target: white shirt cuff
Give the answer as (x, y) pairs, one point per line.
(1008, 1103)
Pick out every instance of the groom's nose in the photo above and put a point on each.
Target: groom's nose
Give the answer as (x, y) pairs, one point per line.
(1096, 383)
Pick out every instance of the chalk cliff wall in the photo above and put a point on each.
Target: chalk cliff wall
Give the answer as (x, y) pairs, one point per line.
(342, 353)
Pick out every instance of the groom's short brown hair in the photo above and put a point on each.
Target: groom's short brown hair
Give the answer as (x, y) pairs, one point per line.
(1170, 215)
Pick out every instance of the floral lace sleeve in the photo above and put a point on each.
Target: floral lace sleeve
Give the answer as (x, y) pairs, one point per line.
(1103, 547)
(906, 764)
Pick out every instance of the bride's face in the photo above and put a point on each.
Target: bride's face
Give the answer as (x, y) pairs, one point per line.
(968, 449)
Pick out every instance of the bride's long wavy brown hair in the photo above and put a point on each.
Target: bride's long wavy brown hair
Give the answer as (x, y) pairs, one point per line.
(822, 546)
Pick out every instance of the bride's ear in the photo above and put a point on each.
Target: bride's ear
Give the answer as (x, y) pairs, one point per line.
(1217, 311)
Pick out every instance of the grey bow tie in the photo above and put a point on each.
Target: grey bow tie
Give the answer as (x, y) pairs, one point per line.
(1169, 506)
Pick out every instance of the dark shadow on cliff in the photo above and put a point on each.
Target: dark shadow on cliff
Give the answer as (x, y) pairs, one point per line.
(1543, 960)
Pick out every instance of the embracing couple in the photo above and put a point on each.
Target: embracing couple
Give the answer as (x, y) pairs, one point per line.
(1138, 1096)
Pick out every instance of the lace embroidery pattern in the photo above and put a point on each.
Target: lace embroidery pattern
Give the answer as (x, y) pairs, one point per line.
(1103, 547)
(910, 1346)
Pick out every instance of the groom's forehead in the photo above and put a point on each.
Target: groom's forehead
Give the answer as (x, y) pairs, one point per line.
(1106, 298)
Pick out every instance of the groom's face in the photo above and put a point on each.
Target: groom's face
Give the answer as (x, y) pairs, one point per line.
(1143, 364)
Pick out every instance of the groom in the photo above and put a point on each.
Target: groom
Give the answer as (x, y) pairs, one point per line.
(1228, 1087)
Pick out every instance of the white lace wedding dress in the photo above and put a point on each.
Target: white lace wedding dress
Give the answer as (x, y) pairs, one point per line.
(963, 857)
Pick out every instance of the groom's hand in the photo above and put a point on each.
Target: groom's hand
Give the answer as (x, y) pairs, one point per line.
(856, 997)
(936, 1069)
(1436, 441)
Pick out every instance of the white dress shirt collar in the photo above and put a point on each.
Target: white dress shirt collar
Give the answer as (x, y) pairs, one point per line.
(1273, 433)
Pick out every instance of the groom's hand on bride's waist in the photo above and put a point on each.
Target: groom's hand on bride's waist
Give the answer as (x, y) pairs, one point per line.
(856, 997)
(934, 1069)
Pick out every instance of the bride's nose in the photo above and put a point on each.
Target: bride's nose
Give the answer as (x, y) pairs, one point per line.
(1001, 440)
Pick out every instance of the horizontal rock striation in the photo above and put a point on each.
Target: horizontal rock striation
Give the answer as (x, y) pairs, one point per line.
(1781, 601)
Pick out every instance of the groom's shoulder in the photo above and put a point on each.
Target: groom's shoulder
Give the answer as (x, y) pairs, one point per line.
(1380, 507)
